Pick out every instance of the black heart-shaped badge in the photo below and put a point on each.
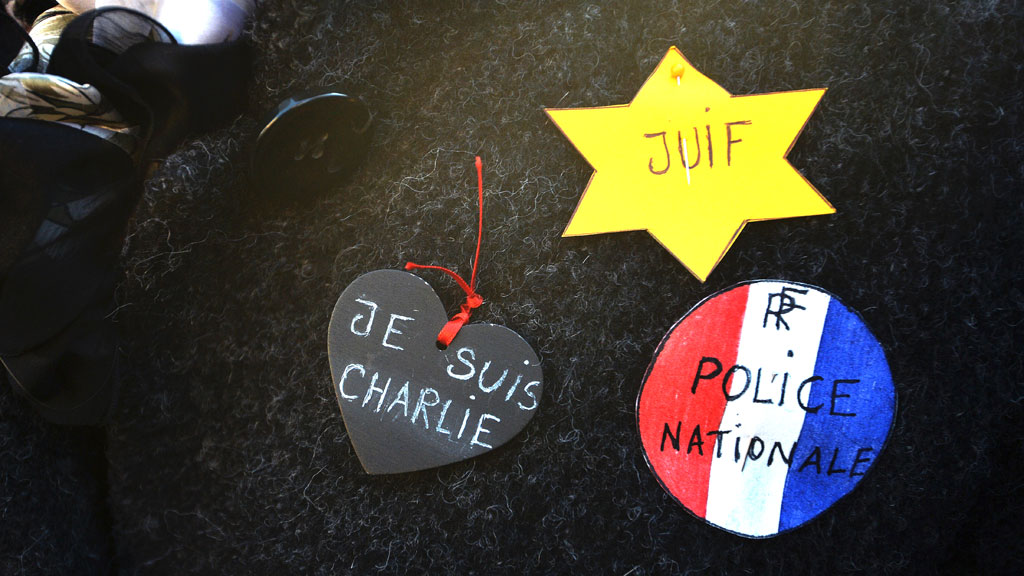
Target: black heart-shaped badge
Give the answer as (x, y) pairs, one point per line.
(407, 403)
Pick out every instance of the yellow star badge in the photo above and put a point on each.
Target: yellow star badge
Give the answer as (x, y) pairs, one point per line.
(690, 163)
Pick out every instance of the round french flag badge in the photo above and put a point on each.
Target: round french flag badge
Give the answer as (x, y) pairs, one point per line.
(764, 405)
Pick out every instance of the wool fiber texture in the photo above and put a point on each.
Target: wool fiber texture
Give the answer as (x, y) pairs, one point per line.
(227, 452)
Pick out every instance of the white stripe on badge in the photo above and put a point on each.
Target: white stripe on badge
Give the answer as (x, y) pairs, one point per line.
(746, 496)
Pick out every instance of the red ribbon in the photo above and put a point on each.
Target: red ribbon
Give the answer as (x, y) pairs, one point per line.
(473, 300)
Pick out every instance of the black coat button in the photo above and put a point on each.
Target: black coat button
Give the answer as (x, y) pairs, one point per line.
(311, 145)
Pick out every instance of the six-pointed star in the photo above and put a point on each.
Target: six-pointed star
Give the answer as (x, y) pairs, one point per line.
(690, 163)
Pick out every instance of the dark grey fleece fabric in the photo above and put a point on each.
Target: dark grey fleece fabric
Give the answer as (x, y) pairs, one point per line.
(227, 454)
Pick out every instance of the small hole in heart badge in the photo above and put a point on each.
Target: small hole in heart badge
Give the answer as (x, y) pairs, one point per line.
(418, 390)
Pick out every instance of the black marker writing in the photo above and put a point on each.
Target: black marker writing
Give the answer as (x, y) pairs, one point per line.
(695, 149)
(786, 304)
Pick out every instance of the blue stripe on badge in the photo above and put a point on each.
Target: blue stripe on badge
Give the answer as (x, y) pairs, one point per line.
(836, 448)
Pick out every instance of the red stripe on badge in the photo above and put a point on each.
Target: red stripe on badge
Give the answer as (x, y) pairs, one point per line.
(700, 348)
